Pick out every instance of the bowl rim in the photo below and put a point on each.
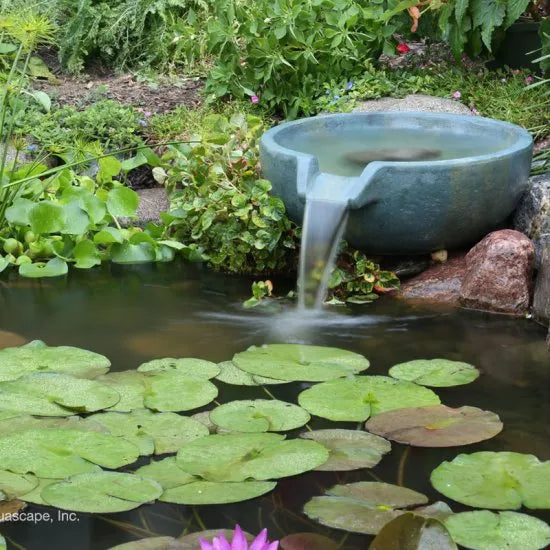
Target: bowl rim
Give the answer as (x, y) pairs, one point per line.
(523, 139)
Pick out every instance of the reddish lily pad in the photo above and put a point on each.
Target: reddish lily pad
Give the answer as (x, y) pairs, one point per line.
(436, 426)
(308, 541)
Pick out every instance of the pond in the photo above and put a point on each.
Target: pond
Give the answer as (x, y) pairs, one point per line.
(134, 314)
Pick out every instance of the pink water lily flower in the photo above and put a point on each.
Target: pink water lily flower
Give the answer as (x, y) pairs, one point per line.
(255, 99)
(239, 542)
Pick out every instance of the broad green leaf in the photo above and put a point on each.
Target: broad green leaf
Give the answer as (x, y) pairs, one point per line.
(460, 9)
(308, 541)
(56, 267)
(514, 9)
(500, 480)
(357, 398)
(239, 457)
(47, 217)
(437, 373)
(77, 221)
(35, 496)
(43, 98)
(101, 492)
(349, 449)
(127, 253)
(152, 543)
(191, 541)
(300, 362)
(18, 212)
(3, 543)
(211, 492)
(108, 235)
(130, 385)
(134, 162)
(166, 472)
(14, 485)
(436, 426)
(168, 432)
(57, 454)
(488, 15)
(230, 374)
(484, 530)
(53, 394)
(411, 532)
(363, 507)
(109, 167)
(259, 415)
(122, 202)
(198, 368)
(6, 47)
(171, 391)
(86, 254)
(15, 422)
(36, 356)
(94, 207)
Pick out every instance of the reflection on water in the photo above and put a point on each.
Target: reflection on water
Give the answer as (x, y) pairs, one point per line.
(134, 314)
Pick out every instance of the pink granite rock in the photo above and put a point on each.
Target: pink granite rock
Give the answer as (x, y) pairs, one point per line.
(499, 272)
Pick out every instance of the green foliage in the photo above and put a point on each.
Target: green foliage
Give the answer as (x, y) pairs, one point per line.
(260, 290)
(112, 125)
(284, 50)
(222, 205)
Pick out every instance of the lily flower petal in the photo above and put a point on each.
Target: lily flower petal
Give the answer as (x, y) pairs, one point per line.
(259, 541)
(239, 540)
(205, 545)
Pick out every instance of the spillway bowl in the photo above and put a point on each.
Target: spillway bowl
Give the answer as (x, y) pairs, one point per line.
(413, 182)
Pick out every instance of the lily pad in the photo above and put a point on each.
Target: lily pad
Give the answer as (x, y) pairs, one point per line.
(172, 391)
(411, 532)
(57, 453)
(101, 492)
(436, 426)
(2, 543)
(188, 365)
(308, 541)
(14, 485)
(130, 385)
(484, 530)
(503, 481)
(259, 415)
(51, 394)
(297, 362)
(363, 507)
(35, 496)
(166, 472)
(36, 356)
(167, 432)
(355, 399)
(259, 456)
(191, 541)
(231, 374)
(9, 507)
(213, 492)
(349, 449)
(20, 422)
(437, 373)
(152, 543)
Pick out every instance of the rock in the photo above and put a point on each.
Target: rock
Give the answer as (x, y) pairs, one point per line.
(532, 216)
(541, 301)
(152, 202)
(414, 102)
(440, 256)
(498, 274)
(441, 283)
(405, 266)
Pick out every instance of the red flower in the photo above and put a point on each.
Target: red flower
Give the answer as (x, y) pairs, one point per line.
(403, 48)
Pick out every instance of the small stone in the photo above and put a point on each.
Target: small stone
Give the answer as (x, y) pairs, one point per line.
(499, 272)
(440, 256)
(152, 202)
(541, 301)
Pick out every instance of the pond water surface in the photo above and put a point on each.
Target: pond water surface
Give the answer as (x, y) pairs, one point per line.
(134, 314)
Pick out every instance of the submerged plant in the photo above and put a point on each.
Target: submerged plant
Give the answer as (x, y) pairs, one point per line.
(239, 542)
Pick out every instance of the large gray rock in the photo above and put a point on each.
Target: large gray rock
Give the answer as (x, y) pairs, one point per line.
(541, 301)
(415, 102)
(152, 202)
(532, 216)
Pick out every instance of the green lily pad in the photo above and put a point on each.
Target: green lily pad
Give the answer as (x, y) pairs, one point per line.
(56, 267)
(213, 492)
(18, 423)
(166, 432)
(166, 472)
(172, 391)
(35, 495)
(363, 507)
(3, 543)
(14, 485)
(130, 385)
(52, 394)
(258, 456)
(57, 453)
(231, 374)
(484, 530)
(503, 481)
(259, 415)
(36, 356)
(437, 373)
(189, 366)
(436, 426)
(349, 449)
(152, 543)
(355, 399)
(308, 541)
(411, 532)
(191, 541)
(297, 362)
(101, 492)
